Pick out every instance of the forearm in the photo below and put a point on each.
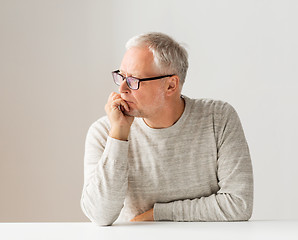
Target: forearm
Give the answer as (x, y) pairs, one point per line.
(106, 185)
(217, 207)
(232, 202)
(120, 133)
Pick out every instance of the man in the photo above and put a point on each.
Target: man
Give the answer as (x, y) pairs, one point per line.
(159, 155)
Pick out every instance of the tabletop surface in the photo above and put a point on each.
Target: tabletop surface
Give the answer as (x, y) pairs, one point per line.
(151, 230)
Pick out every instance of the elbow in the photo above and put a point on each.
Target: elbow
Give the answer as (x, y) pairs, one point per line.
(102, 222)
(247, 213)
(244, 215)
(102, 219)
(239, 209)
(99, 220)
(239, 215)
(244, 210)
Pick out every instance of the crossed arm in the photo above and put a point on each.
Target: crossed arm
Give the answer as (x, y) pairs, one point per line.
(233, 201)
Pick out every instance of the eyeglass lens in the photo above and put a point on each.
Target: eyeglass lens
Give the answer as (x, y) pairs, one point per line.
(131, 81)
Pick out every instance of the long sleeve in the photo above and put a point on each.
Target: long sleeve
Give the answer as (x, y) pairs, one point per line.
(105, 175)
(234, 199)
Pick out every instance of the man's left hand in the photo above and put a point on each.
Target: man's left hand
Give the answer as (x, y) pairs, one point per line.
(146, 216)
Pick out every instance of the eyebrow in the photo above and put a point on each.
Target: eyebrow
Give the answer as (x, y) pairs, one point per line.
(130, 75)
(121, 71)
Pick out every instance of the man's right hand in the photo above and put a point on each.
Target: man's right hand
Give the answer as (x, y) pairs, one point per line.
(120, 123)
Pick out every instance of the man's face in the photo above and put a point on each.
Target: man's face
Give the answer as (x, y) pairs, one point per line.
(149, 98)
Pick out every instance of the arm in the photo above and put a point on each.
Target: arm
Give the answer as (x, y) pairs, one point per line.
(234, 200)
(106, 165)
(105, 177)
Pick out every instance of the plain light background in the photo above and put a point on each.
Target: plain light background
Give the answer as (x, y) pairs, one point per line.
(56, 59)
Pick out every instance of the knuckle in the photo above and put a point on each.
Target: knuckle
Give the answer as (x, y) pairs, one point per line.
(112, 94)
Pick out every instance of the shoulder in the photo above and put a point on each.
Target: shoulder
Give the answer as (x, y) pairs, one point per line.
(100, 127)
(208, 106)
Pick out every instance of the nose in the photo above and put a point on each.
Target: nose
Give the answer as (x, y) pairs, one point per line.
(123, 88)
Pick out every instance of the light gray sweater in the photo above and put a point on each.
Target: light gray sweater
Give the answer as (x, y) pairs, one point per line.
(199, 169)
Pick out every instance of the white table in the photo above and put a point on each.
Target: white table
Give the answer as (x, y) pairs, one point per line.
(281, 230)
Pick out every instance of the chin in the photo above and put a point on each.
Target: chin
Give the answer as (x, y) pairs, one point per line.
(133, 113)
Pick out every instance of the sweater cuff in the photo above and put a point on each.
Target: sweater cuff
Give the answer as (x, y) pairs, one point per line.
(116, 151)
(163, 211)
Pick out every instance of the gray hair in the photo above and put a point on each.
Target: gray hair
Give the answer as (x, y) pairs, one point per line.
(169, 56)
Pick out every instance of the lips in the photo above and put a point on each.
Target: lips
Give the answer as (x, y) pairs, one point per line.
(127, 101)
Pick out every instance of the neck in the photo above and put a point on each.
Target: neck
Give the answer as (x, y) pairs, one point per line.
(168, 115)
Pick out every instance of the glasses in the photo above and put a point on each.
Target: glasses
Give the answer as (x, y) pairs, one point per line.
(132, 82)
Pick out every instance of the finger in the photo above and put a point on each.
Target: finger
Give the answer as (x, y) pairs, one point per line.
(113, 96)
(135, 219)
(120, 102)
(121, 108)
(116, 96)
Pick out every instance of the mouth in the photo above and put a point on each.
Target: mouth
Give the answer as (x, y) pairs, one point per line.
(127, 101)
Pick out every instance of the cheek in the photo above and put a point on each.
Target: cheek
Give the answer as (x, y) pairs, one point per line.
(154, 98)
(141, 97)
(149, 95)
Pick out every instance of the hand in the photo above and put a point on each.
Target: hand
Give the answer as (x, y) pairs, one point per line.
(146, 216)
(120, 123)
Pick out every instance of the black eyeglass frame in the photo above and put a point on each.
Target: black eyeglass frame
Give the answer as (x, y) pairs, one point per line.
(139, 79)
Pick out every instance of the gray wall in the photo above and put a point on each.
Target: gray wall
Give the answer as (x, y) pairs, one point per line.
(55, 64)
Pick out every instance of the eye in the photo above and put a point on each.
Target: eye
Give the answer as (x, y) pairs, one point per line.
(133, 80)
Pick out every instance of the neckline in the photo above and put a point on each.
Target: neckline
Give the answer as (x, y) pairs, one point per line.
(175, 126)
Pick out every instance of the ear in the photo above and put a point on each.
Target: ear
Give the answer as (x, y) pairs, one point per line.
(172, 85)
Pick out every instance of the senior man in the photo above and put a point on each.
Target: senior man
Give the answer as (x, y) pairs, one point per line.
(160, 155)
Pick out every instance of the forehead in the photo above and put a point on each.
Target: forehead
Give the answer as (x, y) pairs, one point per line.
(138, 61)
